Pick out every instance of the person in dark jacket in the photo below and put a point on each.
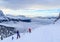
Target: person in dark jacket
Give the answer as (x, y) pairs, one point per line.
(18, 35)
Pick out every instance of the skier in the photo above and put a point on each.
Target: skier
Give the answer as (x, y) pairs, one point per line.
(57, 18)
(29, 30)
(18, 35)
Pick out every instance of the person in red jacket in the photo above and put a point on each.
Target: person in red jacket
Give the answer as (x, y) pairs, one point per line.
(29, 30)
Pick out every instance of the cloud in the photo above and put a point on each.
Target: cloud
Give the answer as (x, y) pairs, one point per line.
(30, 7)
(30, 4)
(32, 13)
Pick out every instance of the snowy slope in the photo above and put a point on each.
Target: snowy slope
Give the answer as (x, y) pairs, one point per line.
(47, 33)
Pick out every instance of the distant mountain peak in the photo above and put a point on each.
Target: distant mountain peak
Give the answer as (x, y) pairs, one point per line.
(1, 13)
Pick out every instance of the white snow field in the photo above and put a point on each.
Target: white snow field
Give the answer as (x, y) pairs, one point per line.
(47, 33)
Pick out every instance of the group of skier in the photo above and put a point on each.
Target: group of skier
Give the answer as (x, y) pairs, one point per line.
(18, 33)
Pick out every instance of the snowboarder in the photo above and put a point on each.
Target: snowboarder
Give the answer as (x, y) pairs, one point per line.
(18, 35)
(29, 30)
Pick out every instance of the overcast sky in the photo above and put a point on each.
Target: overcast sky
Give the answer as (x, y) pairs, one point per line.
(30, 7)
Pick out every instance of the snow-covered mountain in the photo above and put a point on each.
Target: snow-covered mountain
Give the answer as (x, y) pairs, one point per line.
(18, 18)
(2, 17)
(1, 13)
(8, 18)
(43, 21)
(9, 24)
(38, 20)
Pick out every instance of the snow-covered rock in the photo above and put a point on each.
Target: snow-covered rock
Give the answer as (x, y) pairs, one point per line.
(1, 13)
